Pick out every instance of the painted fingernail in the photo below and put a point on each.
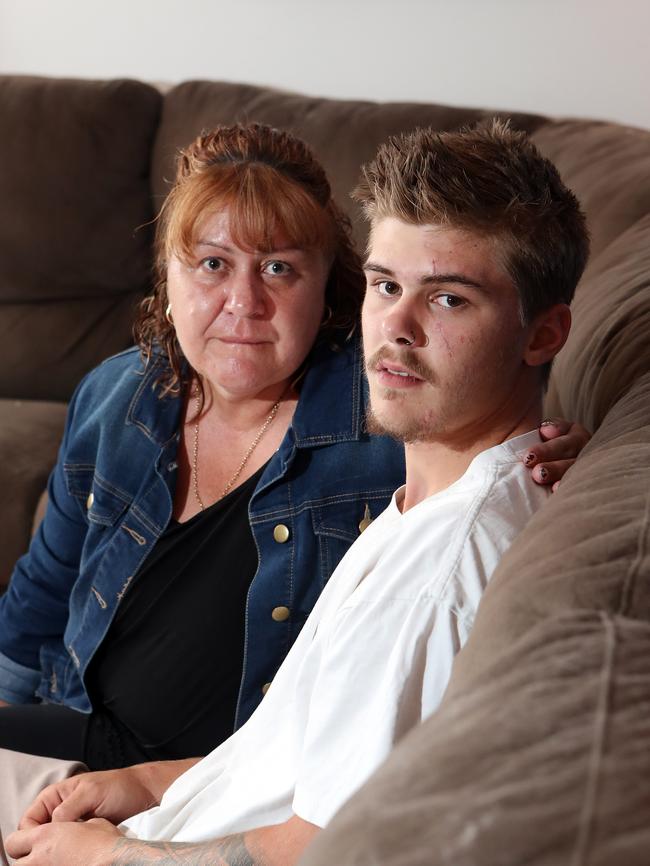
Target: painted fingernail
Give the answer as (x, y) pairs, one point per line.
(529, 458)
(543, 473)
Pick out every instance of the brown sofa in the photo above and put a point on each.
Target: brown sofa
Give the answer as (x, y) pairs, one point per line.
(84, 167)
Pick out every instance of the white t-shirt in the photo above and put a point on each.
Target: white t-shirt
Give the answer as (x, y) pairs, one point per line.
(372, 660)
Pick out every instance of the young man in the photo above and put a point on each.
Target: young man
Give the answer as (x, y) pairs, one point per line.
(474, 254)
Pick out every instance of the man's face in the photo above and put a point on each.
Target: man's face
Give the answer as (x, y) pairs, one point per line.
(443, 337)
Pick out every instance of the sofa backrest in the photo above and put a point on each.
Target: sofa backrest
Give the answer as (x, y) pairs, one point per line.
(343, 133)
(74, 183)
(607, 165)
(87, 165)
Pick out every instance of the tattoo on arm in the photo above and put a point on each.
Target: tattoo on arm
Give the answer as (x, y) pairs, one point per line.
(230, 851)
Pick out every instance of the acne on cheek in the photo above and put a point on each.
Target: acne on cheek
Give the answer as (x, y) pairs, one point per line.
(444, 339)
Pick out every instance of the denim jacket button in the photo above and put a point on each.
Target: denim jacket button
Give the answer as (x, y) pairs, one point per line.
(366, 520)
(280, 614)
(90, 501)
(281, 533)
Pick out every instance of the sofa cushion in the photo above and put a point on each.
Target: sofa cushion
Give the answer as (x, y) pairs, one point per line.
(607, 166)
(75, 189)
(30, 433)
(343, 133)
(54, 343)
(608, 349)
(544, 760)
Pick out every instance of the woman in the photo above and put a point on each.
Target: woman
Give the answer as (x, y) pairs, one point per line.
(223, 463)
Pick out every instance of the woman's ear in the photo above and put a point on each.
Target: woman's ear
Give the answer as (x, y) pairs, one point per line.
(548, 332)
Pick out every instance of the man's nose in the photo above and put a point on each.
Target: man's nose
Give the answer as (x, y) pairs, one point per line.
(401, 325)
(245, 294)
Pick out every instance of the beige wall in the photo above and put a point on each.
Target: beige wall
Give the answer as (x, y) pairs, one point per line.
(576, 57)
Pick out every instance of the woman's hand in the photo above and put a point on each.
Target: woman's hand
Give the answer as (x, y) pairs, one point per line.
(563, 442)
(111, 794)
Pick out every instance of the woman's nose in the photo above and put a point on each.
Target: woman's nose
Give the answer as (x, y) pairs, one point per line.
(402, 327)
(245, 295)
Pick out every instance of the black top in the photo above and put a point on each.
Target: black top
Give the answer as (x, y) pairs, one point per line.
(165, 680)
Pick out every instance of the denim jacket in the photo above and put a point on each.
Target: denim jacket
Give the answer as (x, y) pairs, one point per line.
(110, 498)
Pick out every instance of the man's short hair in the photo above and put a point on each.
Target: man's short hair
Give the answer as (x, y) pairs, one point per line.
(492, 180)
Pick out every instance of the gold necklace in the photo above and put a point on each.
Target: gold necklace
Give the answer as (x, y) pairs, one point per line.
(240, 468)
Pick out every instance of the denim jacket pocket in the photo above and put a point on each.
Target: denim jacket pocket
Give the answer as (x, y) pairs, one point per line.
(103, 503)
(337, 525)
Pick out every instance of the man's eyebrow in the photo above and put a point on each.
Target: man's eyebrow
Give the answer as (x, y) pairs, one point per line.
(431, 279)
(451, 278)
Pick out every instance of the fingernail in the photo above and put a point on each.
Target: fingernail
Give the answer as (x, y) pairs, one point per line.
(543, 473)
(529, 458)
(547, 422)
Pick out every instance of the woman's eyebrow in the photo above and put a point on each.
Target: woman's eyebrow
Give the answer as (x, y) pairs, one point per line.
(208, 243)
(380, 269)
(204, 242)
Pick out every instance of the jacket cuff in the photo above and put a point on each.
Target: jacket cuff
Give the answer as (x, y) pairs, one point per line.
(18, 684)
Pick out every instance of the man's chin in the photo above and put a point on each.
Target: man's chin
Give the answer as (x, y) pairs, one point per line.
(405, 430)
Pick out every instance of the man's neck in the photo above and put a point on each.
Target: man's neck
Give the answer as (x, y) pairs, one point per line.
(434, 466)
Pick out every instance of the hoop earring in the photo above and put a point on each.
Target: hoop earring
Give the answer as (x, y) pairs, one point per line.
(168, 315)
(327, 316)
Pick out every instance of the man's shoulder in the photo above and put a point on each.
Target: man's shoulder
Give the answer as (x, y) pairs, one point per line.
(509, 495)
(457, 537)
(454, 538)
(497, 513)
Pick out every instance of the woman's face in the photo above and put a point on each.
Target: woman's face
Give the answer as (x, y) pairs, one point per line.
(246, 320)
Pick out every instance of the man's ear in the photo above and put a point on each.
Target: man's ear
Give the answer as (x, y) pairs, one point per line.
(548, 332)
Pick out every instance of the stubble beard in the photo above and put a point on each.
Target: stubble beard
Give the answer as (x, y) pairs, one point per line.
(428, 427)
(400, 424)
